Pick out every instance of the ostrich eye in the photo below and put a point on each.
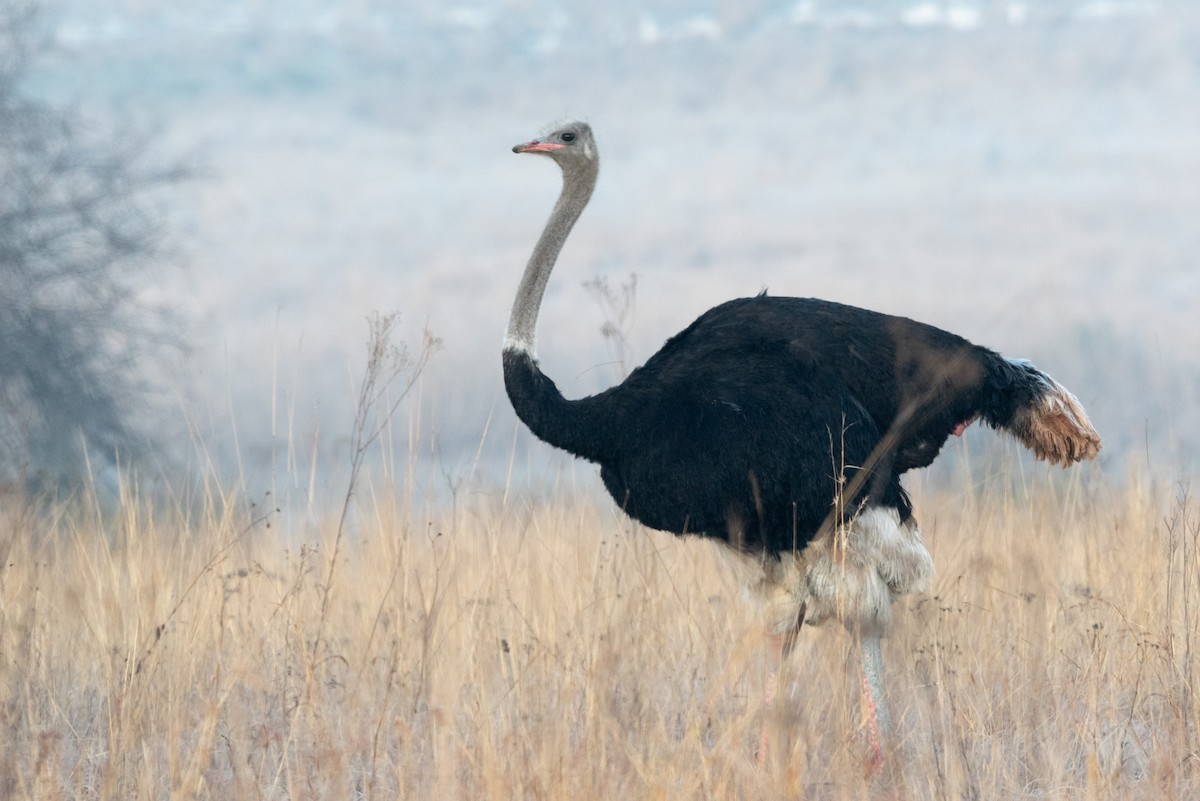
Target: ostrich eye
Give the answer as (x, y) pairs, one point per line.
(567, 136)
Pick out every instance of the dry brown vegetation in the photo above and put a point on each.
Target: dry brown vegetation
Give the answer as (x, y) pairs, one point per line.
(554, 650)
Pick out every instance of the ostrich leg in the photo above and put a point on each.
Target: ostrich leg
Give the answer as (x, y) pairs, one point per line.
(875, 708)
(781, 648)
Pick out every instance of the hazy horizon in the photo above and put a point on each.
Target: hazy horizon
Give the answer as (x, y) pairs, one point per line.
(1021, 174)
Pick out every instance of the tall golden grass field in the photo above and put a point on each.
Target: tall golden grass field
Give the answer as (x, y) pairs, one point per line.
(510, 648)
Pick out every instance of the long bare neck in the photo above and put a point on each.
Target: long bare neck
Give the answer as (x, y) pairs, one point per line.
(578, 183)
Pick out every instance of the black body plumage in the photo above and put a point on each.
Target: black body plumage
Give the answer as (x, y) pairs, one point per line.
(748, 424)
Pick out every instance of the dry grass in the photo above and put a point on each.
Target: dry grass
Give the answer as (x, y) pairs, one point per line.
(529, 651)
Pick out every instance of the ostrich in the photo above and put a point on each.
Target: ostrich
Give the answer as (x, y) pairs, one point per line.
(781, 426)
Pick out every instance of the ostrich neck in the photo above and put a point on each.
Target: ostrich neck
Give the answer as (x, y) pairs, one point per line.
(522, 324)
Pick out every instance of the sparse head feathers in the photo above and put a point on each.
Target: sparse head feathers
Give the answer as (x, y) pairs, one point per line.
(566, 142)
(558, 125)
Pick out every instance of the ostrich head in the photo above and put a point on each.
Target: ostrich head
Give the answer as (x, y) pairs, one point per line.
(571, 145)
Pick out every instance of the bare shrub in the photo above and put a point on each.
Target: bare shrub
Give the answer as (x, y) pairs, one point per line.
(77, 236)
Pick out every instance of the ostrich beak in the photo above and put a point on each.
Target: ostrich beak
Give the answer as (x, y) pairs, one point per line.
(536, 147)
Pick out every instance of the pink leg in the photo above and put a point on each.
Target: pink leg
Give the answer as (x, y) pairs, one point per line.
(874, 742)
(875, 708)
(781, 649)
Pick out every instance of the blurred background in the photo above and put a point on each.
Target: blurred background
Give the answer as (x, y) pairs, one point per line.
(1021, 173)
